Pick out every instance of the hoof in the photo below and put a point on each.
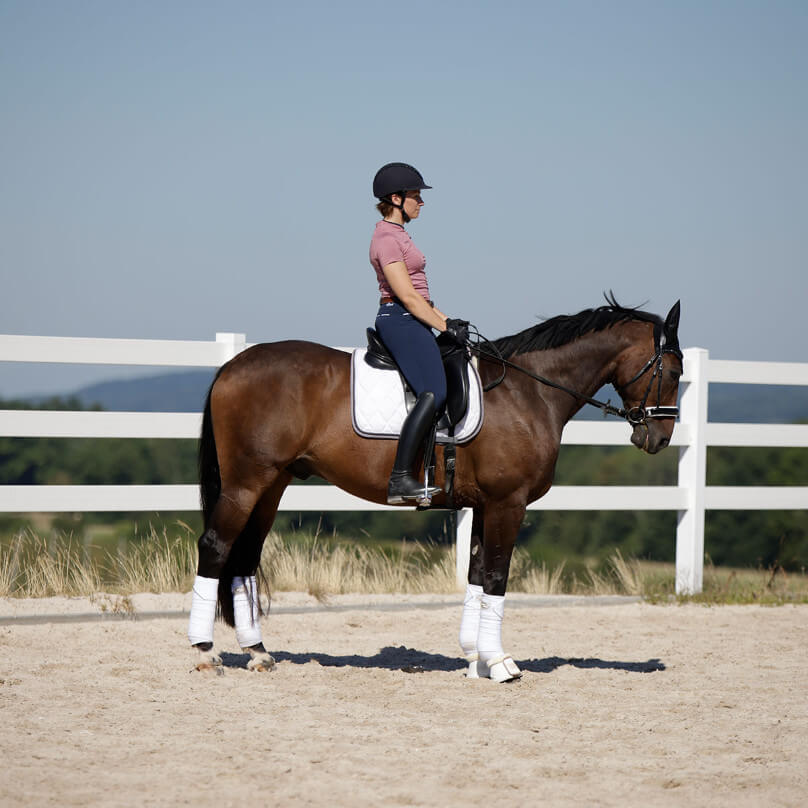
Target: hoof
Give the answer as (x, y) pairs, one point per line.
(260, 663)
(502, 669)
(476, 669)
(209, 667)
(208, 661)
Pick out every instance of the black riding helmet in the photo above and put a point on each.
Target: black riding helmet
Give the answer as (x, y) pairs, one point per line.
(395, 178)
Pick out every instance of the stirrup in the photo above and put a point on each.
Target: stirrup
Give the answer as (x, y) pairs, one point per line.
(403, 487)
(424, 499)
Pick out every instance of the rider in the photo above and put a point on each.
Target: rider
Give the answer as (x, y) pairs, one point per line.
(405, 318)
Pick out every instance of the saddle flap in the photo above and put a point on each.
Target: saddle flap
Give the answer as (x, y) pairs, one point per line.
(455, 365)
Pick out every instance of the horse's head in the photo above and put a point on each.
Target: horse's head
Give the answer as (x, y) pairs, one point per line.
(649, 386)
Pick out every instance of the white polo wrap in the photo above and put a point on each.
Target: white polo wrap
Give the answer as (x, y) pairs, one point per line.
(489, 636)
(245, 610)
(470, 621)
(203, 610)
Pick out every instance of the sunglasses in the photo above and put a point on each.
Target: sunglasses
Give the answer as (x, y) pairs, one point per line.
(414, 195)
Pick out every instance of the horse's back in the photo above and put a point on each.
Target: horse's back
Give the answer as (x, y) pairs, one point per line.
(294, 369)
(285, 356)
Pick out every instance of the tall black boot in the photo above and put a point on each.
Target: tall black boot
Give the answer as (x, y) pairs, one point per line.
(403, 485)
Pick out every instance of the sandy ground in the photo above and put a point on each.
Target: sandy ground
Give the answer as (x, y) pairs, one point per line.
(621, 704)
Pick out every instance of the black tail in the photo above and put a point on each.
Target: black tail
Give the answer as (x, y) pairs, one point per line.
(210, 481)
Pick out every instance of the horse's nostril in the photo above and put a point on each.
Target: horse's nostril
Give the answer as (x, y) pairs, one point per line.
(663, 443)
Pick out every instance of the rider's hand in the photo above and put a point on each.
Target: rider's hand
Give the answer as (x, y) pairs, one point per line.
(457, 330)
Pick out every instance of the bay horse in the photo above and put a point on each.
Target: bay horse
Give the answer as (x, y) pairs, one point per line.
(282, 410)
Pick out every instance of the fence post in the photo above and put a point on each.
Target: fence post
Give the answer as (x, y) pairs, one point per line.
(232, 343)
(693, 475)
(463, 546)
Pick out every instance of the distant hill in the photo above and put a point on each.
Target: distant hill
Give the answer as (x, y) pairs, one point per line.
(757, 404)
(186, 391)
(164, 392)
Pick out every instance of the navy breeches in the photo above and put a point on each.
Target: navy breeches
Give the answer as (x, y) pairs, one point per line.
(414, 348)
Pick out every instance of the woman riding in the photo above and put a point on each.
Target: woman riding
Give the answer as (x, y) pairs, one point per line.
(406, 318)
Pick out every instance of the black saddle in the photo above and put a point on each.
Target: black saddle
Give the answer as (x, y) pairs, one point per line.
(455, 360)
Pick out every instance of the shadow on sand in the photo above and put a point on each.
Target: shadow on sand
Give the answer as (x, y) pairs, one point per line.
(411, 660)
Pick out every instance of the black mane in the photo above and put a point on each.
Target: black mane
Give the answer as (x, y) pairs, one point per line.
(565, 328)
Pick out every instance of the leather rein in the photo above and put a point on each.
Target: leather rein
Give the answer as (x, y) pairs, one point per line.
(634, 415)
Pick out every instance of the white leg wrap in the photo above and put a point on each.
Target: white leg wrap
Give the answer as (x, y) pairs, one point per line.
(469, 628)
(489, 637)
(203, 610)
(501, 668)
(245, 609)
(470, 621)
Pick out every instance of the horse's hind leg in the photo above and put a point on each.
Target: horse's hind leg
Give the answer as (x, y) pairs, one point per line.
(228, 519)
(241, 569)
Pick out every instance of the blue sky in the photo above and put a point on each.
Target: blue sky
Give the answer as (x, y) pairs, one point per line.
(174, 169)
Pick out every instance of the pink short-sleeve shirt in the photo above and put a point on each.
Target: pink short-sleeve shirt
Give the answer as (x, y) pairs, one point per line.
(391, 243)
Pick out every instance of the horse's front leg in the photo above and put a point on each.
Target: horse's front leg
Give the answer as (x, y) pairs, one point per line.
(472, 602)
(500, 524)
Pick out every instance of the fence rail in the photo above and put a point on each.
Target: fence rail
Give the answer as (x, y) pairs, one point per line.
(691, 497)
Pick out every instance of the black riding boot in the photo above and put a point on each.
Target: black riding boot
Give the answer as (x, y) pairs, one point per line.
(403, 485)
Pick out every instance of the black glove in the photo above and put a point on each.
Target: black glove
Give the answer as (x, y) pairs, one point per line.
(457, 330)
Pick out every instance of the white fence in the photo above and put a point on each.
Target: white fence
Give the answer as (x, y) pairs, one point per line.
(691, 497)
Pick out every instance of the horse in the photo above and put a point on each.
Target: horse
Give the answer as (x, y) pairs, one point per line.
(282, 410)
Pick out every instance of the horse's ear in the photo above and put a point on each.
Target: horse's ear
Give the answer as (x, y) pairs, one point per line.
(672, 320)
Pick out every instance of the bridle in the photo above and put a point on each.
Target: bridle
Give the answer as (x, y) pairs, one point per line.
(641, 413)
(636, 416)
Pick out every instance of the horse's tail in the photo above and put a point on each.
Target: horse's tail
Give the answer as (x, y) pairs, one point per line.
(210, 481)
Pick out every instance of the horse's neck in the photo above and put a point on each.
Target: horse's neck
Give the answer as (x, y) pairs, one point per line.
(583, 365)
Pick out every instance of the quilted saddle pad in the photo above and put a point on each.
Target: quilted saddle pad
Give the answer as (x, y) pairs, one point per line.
(379, 406)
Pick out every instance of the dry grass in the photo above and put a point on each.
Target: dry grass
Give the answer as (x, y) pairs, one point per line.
(156, 564)
(34, 567)
(31, 566)
(723, 585)
(322, 568)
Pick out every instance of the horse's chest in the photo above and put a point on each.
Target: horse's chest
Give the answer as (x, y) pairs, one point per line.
(520, 460)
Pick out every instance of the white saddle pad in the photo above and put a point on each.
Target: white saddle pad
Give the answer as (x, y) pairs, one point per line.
(378, 407)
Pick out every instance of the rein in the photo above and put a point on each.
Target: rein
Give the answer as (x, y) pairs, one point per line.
(634, 415)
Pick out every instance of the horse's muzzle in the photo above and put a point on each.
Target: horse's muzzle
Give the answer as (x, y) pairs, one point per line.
(650, 439)
(639, 435)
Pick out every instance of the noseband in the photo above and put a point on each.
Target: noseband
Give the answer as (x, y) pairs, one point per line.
(636, 416)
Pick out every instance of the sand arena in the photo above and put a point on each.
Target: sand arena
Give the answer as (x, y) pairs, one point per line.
(621, 704)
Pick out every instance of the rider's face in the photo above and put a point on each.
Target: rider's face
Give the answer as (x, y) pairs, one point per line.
(412, 204)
